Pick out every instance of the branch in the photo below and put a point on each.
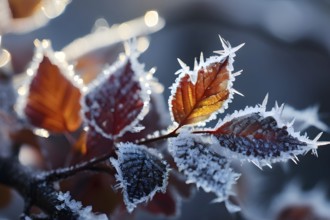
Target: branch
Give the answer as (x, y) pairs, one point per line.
(41, 194)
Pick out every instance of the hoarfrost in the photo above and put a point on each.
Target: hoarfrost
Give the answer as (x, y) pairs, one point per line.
(84, 213)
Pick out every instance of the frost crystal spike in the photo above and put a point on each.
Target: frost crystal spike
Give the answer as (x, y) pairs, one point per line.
(140, 173)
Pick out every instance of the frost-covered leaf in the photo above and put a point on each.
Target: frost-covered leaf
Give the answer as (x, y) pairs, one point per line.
(118, 99)
(50, 98)
(199, 94)
(261, 136)
(293, 202)
(140, 173)
(194, 156)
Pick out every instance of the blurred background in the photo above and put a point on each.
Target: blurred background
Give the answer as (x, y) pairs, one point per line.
(286, 54)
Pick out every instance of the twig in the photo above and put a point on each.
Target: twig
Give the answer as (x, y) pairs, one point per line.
(63, 173)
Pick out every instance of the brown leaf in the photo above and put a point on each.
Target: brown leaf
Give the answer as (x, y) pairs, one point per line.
(53, 102)
(23, 9)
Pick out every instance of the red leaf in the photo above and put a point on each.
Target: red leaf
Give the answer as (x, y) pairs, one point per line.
(53, 101)
(97, 144)
(117, 100)
(157, 118)
(163, 203)
(261, 136)
(199, 94)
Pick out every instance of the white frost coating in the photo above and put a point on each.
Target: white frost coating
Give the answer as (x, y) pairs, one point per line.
(227, 51)
(144, 77)
(43, 49)
(130, 148)
(194, 156)
(275, 112)
(84, 213)
(305, 118)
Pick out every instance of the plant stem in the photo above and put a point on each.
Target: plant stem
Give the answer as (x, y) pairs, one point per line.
(159, 138)
(169, 135)
(63, 173)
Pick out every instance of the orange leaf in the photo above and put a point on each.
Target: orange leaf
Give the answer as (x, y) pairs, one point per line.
(199, 94)
(53, 101)
(193, 103)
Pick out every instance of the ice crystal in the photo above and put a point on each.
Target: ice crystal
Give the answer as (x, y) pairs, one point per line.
(305, 118)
